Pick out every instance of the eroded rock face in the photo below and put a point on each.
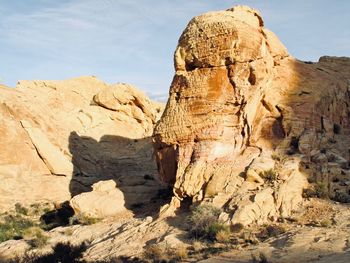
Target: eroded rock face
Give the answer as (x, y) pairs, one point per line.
(60, 137)
(239, 102)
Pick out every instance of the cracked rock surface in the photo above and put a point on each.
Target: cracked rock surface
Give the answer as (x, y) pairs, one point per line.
(239, 101)
(60, 137)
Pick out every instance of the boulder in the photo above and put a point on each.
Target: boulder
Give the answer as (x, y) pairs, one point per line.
(104, 200)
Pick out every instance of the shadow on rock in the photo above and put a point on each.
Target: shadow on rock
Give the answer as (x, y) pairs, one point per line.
(128, 162)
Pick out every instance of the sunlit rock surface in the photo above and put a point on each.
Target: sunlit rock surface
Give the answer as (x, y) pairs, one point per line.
(239, 99)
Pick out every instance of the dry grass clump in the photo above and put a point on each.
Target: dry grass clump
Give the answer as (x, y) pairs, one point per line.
(180, 252)
(223, 236)
(36, 237)
(154, 253)
(83, 219)
(316, 211)
(326, 222)
(197, 246)
(161, 253)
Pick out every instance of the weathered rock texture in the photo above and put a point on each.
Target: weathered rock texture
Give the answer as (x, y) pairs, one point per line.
(60, 137)
(239, 102)
(104, 200)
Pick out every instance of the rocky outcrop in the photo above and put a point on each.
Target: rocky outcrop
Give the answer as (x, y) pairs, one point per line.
(60, 137)
(243, 117)
(104, 200)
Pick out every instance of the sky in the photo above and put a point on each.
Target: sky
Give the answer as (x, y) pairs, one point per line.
(134, 41)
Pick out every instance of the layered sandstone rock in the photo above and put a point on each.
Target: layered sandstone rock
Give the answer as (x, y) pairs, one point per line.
(60, 137)
(104, 200)
(240, 107)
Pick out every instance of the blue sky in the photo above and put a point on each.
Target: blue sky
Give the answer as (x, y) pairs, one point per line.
(134, 40)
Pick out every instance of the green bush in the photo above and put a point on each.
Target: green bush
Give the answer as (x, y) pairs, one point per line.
(213, 229)
(13, 227)
(204, 222)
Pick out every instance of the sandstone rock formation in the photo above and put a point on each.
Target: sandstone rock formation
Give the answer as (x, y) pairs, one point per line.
(104, 200)
(60, 137)
(241, 109)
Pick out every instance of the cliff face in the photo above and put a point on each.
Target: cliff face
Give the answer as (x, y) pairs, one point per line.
(241, 108)
(60, 137)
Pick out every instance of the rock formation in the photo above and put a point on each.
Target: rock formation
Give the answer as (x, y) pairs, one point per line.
(60, 137)
(245, 120)
(104, 200)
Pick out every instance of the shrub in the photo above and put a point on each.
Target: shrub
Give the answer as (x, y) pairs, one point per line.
(197, 246)
(212, 230)
(39, 208)
(180, 252)
(21, 209)
(36, 237)
(269, 175)
(154, 252)
(13, 227)
(161, 253)
(223, 236)
(326, 222)
(204, 221)
(309, 192)
(82, 219)
(318, 190)
(321, 190)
